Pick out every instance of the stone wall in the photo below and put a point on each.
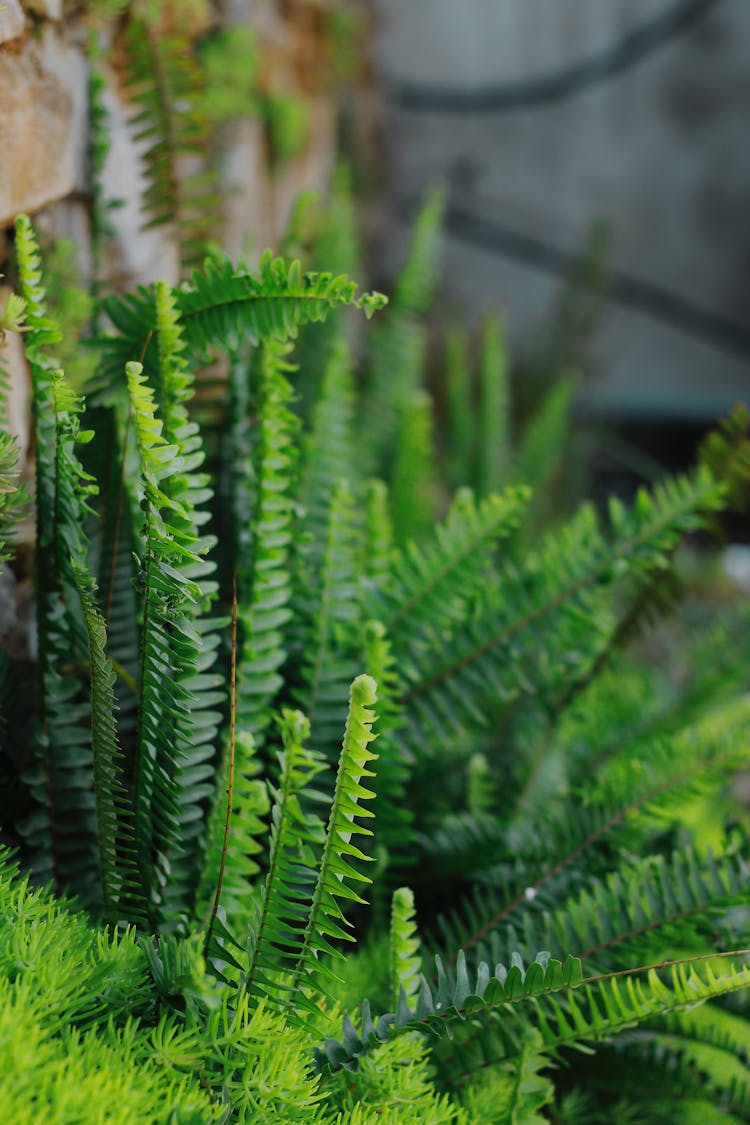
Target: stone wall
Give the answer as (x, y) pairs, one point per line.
(44, 131)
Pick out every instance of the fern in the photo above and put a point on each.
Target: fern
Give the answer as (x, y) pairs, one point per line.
(398, 345)
(329, 617)
(405, 962)
(494, 421)
(429, 586)
(413, 497)
(459, 409)
(169, 643)
(222, 306)
(326, 921)
(115, 829)
(555, 602)
(552, 997)
(393, 816)
(194, 731)
(165, 87)
(277, 931)
(263, 580)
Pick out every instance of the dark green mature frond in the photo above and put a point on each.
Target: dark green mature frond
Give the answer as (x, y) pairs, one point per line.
(170, 650)
(459, 409)
(726, 452)
(494, 453)
(417, 281)
(165, 86)
(544, 441)
(247, 828)
(397, 345)
(377, 538)
(195, 729)
(536, 628)
(263, 485)
(61, 830)
(114, 816)
(632, 914)
(512, 1093)
(222, 307)
(413, 491)
(638, 795)
(13, 496)
(330, 613)
(277, 932)
(430, 586)
(495, 1010)
(328, 454)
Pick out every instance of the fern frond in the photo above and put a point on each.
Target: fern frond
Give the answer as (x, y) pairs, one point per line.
(513, 1092)
(114, 816)
(405, 960)
(416, 282)
(377, 537)
(263, 577)
(430, 586)
(646, 791)
(330, 614)
(13, 496)
(326, 921)
(250, 806)
(459, 410)
(61, 831)
(494, 453)
(195, 730)
(550, 997)
(412, 493)
(277, 933)
(327, 450)
(222, 307)
(726, 453)
(535, 629)
(397, 346)
(165, 86)
(393, 814)
(634, 913)
(544, 441)
(170, 648)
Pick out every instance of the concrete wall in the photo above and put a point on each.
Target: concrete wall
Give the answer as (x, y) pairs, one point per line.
(654, 139)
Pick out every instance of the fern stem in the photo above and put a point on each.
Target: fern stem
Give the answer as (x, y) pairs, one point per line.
(230, 781)
(657, 967)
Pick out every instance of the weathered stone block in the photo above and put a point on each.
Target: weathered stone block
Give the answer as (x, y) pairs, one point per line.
(36, 128)
(12, 20)
(51, 9)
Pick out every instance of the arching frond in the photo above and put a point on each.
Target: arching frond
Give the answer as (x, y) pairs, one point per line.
(221, 307)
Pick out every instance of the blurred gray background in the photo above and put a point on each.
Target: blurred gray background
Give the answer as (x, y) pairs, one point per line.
(544, 116)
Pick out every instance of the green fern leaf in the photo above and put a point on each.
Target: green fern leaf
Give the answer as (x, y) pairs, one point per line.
(405, 959)
(338, 876)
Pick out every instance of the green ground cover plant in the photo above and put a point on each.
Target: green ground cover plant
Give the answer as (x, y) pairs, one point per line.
(334, 793)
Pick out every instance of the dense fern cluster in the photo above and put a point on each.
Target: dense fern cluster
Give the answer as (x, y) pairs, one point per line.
(214, 619)
(316, 665)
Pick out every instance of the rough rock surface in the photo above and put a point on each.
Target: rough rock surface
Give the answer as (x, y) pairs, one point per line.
(36, 134)
(12, 20)
(50, 9)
